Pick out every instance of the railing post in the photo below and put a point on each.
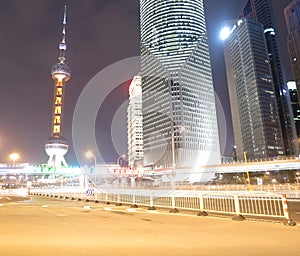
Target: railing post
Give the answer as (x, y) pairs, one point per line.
(173, 210)
(118, 201)
(173, 201)
(201, 201)
(237, 205)
(151, 207)
(238, 215)
(287, 221)
(106, 198)
(201, 204)
(133, 202)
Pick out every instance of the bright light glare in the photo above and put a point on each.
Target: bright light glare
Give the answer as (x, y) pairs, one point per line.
(225, 32)
(14, 156)
(89, 154)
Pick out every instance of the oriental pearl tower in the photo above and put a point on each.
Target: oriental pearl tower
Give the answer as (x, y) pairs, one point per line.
(56, 146)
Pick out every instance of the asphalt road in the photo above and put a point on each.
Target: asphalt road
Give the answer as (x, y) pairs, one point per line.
(44, 227)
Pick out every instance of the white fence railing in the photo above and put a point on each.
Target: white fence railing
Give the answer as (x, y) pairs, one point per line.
(16, 192)
(240, 204)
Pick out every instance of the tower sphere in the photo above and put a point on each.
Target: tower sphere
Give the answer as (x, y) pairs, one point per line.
(61, 69)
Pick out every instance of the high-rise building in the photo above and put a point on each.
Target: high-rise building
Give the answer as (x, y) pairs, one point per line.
(56, 146)
(179, 113)
(261, 11)
(253, 102)
(292, 17)
(135, 124)
(295, 105)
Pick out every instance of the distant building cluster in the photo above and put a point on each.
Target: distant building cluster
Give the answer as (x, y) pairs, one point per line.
(179, 120)
(262, 114)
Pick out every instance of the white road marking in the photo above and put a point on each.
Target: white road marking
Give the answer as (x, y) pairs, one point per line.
(152, 211)
(131, 210)
(45, 205)
(107, 208)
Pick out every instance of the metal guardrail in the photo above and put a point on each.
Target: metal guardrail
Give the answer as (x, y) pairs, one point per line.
(240, 204)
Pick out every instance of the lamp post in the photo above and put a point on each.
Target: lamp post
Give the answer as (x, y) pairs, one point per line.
(89, 154)
(119, 158)
(297, 178)
(234, 154)
(120, 177)
(246, 164)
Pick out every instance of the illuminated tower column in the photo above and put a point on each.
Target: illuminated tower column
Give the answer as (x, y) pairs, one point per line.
(56, 146)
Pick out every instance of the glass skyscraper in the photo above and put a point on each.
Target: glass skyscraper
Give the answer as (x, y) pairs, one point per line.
(179, 113)
(292, 17)
(295, 105)
(253, 101)
(261, 11)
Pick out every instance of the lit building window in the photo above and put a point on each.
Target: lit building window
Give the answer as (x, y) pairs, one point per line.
(56, 129)
(57, 110)
(57, 100)
(57, 119)
(59, 91)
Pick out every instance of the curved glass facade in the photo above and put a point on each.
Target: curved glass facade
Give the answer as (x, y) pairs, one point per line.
(172, 28)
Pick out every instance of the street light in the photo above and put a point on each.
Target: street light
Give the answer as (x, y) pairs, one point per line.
(89, 154)
(225, 33)
(14, 157)
(119, 158)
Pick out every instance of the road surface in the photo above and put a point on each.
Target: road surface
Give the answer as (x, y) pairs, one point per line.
(44, 226)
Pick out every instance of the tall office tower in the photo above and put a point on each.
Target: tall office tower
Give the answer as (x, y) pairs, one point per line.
(295, 105)
(261, 11)
(179, 113)
(292, 17)
(253, 102)
(135, 124)
(56, 146)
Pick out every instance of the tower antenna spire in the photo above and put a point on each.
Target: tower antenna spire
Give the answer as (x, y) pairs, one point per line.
(62, 45)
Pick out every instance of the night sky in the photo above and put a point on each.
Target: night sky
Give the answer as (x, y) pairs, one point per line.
(99, 33)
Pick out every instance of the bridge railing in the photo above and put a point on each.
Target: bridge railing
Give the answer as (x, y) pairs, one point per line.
(240, 204)
(291, 190)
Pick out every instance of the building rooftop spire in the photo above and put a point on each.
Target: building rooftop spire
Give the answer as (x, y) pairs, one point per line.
(62, 45)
